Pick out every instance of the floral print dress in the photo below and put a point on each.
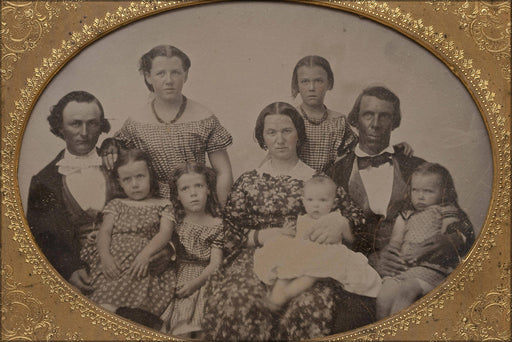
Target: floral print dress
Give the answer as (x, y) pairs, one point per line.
(235, 308)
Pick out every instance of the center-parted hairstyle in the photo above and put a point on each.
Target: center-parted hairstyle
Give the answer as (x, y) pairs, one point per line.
(127, 156)
(210, 176)
(56, 118)
(311, 61)
(381, 93)
(447, 186)
(282, 108)
(146, 61)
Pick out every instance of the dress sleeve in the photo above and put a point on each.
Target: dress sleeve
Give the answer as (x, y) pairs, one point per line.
(125, 135)
(346, 140)
(218, 236)
(349, 209)
(167, 211)
(462, 227)
(218, 138)
(112, 208)
(237, 219)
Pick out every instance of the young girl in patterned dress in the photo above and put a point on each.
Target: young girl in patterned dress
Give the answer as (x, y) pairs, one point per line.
(434, 208)
(199, 251)
(133, 229)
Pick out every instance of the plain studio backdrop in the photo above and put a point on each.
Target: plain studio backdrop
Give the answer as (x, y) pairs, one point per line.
(243, 55)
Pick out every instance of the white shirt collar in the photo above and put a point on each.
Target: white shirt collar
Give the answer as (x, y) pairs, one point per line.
(360, 153)
(71, 163)
(300, 171)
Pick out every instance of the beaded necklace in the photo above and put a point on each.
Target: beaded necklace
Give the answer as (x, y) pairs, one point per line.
(178, 114)
(314, 121)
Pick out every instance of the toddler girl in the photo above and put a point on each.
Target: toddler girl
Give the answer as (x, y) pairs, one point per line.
(199, 250)
(434, 208)
(292, 265)
(133, 229)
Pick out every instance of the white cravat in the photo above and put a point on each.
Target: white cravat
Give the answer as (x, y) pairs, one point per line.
(377, 181)
(84, 179)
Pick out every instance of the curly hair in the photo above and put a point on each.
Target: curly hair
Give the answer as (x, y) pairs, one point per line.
(56, 118)
(210, 176)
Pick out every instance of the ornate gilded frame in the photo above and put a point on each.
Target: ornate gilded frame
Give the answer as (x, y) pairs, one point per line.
(38, 37)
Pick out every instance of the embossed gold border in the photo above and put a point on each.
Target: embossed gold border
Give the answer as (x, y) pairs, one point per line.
(471, 37)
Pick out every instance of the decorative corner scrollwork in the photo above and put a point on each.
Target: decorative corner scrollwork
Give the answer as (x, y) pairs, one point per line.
(23, 25)
(24, 317)
(486, 22)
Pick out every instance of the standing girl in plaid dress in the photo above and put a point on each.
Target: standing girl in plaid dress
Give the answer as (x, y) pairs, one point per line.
(327, 131)
(199, 250)
(172, 128)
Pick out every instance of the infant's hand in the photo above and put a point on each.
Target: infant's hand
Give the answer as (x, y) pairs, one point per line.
(186, 289)
(288, 228)
(91, 237)
(139, 267)
(110, 267)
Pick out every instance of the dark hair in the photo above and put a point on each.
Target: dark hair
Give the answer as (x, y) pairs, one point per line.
(311, 61)
(146, 61)
(447, 185)
(56, 119)
(212, 201)
(127, 156)
(282, 108)
(381, 93)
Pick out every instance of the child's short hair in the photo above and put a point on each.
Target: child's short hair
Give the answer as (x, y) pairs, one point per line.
(127, 156)
(449, 194)
(323, 180)
(212, 202)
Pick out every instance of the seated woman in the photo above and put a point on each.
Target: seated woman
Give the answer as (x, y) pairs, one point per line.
(261, 201)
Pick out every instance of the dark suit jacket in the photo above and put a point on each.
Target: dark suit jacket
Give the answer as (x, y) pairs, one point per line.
(54, 226)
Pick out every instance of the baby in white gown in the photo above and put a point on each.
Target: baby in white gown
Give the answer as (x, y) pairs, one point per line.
(293, 264)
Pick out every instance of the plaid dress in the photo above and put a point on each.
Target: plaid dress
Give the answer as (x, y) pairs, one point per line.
(193, 251)
(325, 139)
(170, 144)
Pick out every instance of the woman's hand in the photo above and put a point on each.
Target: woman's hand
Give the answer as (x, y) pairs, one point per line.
(331, 229)
(109, 151)
(81, 280)
(187, 289)
(110, 267)
(388, 261)
(139, 267)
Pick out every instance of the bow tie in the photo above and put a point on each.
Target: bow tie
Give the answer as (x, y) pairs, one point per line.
(374, 161)
(70, 165)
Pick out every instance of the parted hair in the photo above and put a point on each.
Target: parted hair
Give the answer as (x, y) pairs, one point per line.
(146, 61)
(127, 156)
(282, 108)
(381, 93)
(311, 61)
(210, 176)
(56, 118)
